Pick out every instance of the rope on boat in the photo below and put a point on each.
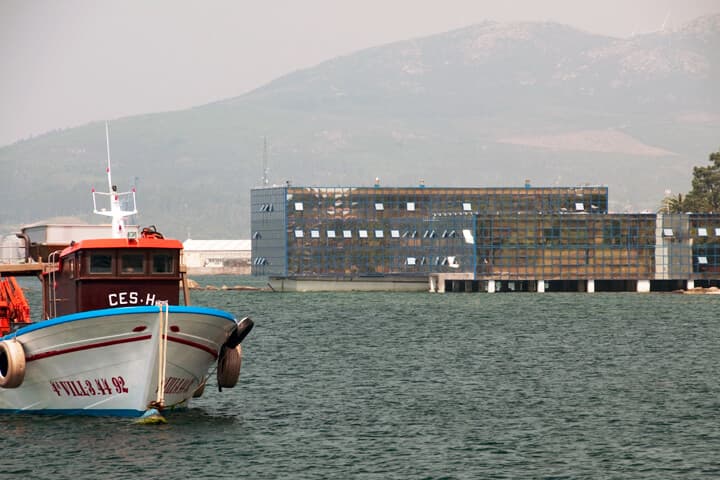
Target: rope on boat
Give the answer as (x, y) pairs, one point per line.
(162, 351)
(152, 415)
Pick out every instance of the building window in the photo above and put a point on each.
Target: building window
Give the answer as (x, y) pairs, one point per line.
(702, 232)
(299, 234)
(612, 232)
(551, 234)
(411, 206)
(468, 236)
(363, 233)
(331, 233)
(467, 207)
(410, 260)
(315, 233)
(379, 234)
(395, 233)
(299, 207)
(379, 206)
(347, 233)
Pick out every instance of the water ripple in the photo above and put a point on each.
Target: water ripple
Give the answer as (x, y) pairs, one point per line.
(426, 386)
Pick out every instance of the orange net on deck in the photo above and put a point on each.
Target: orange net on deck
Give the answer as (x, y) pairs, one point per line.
(13, 305)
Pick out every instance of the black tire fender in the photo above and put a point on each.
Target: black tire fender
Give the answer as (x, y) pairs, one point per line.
(229, 363)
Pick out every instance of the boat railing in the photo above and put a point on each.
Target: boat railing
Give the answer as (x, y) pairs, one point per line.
(125, 201)
(51, 293)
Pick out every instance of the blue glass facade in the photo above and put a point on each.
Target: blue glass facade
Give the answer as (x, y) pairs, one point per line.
(491, 233)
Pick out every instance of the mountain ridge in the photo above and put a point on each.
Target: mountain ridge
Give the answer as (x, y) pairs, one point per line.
(635, 114)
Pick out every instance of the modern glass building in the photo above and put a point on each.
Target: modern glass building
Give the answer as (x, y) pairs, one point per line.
(525, 234)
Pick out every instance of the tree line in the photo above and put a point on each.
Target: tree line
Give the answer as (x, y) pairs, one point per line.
(704, 197)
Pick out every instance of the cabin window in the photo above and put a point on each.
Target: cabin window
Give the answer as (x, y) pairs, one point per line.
(162, 263)
(132, 263)
(69, 267)
(101, 263)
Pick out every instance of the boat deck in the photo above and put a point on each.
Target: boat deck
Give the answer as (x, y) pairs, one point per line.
(24, 269)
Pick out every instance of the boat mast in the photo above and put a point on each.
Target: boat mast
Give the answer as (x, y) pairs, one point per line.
(116, 213)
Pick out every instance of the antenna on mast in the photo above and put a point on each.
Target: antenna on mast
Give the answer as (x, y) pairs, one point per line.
(107, 143)
(265, 180)
(667, 17)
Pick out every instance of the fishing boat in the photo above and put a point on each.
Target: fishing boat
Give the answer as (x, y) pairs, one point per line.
(114, 339)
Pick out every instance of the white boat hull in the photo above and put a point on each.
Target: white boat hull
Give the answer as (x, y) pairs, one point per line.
(105, 362)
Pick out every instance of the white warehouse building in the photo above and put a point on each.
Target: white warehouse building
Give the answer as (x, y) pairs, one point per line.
(217, 256)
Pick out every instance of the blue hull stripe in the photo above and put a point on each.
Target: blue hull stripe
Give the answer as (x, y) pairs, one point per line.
(75, 317)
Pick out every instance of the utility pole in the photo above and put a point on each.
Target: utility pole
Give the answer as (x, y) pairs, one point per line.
(265, 180)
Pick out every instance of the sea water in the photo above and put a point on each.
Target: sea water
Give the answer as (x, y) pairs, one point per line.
(420, 385)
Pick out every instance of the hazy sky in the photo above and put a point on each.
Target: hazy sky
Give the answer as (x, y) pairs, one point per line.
(66, 63)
